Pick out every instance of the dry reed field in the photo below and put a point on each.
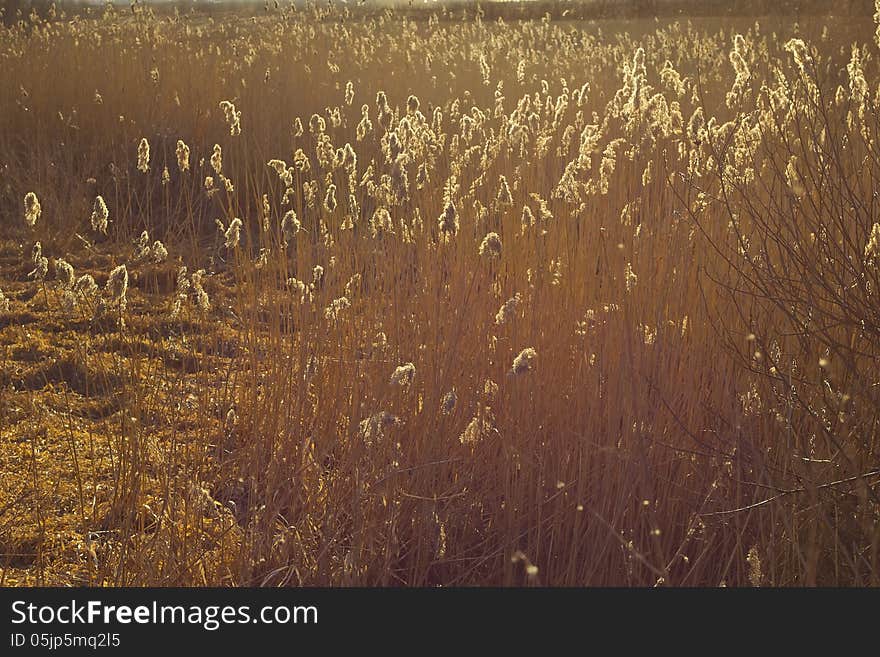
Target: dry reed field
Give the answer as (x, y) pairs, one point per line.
(327, 296)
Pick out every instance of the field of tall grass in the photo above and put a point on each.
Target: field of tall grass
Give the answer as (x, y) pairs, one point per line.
(336, 297)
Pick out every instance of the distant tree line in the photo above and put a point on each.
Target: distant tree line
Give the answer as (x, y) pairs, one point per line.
(647, 8)
(14, 10)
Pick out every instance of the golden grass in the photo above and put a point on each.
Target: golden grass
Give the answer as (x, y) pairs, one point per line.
(379, 299)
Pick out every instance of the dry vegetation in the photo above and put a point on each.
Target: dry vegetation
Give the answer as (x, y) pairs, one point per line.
(328, 298)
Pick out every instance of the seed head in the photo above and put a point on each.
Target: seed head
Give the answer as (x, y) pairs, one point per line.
(697, 127)
(64, 273)
(32, 209)
(233, 233)
(317, 124)
(524, 362)
(217, 159)
(233, 117)
(422, 176)
(381, 223)
(117, 286)
(182, 153)
(365, 126)
(334, 310)
(373, 428)
(504, 195)
(330, 198)
(41, 264)
(403, 374)
(85, 285)
(41, 268)
(491, 246)
(158, 254)
(630, 277)
(480, 426)
(528, 218)
(317, 276)
(872, 248)
(301, 161)
(290, 226)
(144, 156)
(280, 167)
(799, 52)
(754, 560)
(508, 310)
(448, 402)
(202, 301)
(349, 158)
(100, 215)
(448, 221)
